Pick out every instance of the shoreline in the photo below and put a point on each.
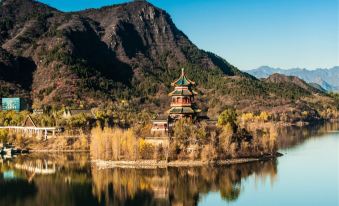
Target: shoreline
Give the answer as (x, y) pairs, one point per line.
(58, 151)
(152, 164)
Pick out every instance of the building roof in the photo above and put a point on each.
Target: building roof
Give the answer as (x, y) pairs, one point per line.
(182, 92)
(73, 112)
(183, 80)
(181, 110)
(29, 122)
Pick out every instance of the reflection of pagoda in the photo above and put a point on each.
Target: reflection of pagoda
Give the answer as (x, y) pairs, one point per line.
(182, 103)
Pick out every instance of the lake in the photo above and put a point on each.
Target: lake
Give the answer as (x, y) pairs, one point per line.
(307, 174)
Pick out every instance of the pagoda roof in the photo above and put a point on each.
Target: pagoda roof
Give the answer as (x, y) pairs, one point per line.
(183, 80)
(181, 110)
(182, 92)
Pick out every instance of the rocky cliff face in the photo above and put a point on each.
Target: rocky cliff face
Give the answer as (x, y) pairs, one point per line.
(131, 51)
(95, 51)
(140, 33)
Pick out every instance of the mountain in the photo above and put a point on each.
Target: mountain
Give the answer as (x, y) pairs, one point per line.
(326, 78)
(317, 86)
(291, 81)
(98, 51)
(129, 51)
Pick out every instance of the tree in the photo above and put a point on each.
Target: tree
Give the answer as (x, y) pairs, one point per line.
(228, 116)
(183, 130)
(146, 150)
(264, 116)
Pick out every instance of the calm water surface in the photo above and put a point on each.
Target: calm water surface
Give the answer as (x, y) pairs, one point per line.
(307, 174)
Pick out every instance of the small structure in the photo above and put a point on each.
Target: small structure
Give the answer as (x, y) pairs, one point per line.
(29, 122)
(68, 113)
(159, 131)
(15, 104)
(31, 128)
(160, 126)
(38, 111)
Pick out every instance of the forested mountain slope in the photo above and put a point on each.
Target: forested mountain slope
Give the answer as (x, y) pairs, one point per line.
(129, 51)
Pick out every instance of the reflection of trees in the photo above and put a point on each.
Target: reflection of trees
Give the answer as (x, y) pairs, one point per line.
(76, 183)
(292, 136)
(231, 194)
(70, 185)
(11, 191)
(63, 161)
(126, 185)
(55, 191)
(174, 186)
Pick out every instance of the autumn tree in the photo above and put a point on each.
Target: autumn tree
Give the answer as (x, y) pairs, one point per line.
(229, 116)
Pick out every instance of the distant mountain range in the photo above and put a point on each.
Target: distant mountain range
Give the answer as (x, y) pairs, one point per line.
(328, 79)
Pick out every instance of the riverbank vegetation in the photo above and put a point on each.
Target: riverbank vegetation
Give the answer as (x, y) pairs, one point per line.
(189, 141)
(62, 142)
(120, 134)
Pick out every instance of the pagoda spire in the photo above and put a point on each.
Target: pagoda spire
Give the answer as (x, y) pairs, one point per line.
(183, 80)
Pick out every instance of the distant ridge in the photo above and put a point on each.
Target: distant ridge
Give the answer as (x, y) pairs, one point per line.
(328, 79)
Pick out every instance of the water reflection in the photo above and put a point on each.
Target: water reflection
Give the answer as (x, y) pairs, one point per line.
(68, 184)
(290, 137)
(175, 186)
(70, 179)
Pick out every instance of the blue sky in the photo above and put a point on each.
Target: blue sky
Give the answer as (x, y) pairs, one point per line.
(251, 33)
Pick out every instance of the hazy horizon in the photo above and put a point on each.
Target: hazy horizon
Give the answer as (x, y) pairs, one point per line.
(251, 33)
(310, 69)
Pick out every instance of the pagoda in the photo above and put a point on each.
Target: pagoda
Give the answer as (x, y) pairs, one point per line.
(182, 105)
(183, 102)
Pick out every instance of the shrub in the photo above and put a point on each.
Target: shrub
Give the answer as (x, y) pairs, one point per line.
(146, 150)
(81, 143)
(209, 152)
(3, 135)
